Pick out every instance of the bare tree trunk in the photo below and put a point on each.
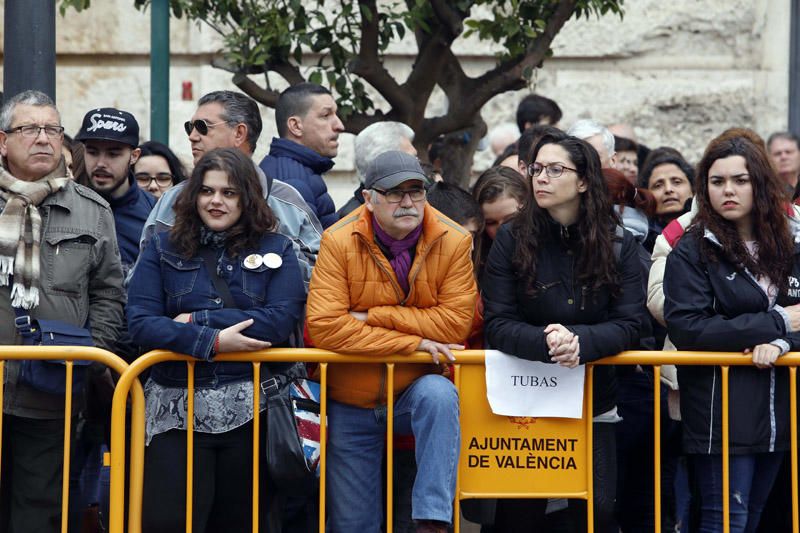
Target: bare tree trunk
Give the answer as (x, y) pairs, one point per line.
(459, 152)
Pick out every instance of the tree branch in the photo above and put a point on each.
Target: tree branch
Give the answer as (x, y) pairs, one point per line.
(508, 75)
(266, 97)
(288, 71)
(432, 48)
(368, 65)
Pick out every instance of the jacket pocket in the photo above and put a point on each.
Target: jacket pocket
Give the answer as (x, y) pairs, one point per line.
(178, 275)
(67, 259)
(254, 283)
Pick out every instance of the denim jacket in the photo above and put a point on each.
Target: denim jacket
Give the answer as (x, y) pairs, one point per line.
(166, 284)
(295, 220)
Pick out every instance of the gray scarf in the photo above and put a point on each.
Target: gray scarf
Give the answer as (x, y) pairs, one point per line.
(21, 232)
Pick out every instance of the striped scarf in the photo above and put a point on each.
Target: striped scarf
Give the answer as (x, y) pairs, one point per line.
(21, 232)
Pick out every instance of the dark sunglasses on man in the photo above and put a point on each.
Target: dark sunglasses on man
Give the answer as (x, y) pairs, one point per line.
(200, 125)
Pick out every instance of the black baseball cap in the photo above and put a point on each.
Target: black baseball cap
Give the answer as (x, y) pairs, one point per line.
(109, 124)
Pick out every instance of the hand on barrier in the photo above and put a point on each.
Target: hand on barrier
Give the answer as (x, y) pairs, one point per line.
(232, 340)
(564, 345)
(764, 355)
(436, 348)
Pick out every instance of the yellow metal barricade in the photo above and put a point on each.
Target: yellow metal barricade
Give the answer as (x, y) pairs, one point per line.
(569, 441)
(68, 354)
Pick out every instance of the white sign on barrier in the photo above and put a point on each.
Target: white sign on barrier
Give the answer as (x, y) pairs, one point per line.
(518, 387)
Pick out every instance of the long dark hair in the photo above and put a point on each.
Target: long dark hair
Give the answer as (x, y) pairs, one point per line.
(256, 219)
(770, 225)
(596, 264)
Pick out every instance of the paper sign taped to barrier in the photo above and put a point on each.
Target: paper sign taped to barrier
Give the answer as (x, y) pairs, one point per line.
(518, 387)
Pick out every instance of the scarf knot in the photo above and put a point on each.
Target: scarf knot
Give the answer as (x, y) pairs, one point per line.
(399, 248)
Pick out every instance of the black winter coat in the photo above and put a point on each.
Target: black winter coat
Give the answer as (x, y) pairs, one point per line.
(606, 325)
(716, 306)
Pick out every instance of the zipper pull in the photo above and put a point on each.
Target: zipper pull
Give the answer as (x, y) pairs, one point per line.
(564, 233)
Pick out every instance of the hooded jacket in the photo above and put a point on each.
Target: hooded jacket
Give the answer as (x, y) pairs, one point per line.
(352, 274)
(717, 306)
(302, 168)
(130, 213)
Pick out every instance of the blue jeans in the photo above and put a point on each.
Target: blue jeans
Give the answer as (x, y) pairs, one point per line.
(751, 479)
(428, 409)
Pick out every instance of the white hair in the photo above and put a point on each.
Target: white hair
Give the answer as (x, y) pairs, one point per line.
(502, 135)
(585, 128)
(376, 139)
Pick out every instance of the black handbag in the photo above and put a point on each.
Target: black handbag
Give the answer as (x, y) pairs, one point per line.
(293, 428)
(50, 375)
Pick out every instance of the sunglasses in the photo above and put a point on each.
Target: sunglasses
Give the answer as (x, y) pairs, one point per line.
(200, 125)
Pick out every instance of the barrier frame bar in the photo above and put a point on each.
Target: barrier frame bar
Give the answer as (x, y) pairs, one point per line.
(129, 380)
(726, 503)
(589, 416)
(68, 354)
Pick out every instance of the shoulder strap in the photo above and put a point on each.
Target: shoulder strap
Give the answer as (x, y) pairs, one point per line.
(209, 258)
(619, 235)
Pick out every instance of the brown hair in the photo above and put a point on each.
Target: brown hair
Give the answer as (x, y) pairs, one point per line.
(770, 225)
(623, 194)
(256, 218)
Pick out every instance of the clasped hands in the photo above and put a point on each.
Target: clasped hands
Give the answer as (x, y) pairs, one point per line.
(231, 338)
(563, 345)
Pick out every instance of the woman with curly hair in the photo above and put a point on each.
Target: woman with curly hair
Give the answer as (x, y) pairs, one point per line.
(221, 280)
(563, 285)
(730, 285)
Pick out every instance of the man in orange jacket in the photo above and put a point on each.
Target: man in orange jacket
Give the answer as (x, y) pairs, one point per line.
(393, 277)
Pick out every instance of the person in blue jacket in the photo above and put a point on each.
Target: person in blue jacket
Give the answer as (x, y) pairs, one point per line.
(563, 284)
(309, 140)
(731, 285)
(223, 226)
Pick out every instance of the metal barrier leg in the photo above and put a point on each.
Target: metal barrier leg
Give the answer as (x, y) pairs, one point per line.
(726, 518)
(323, 441)
(189, 445)
(67, 447)
(389, 445)
(793, 440)
(589, 414)
(457, 502)
(256, 434)
(657, 446)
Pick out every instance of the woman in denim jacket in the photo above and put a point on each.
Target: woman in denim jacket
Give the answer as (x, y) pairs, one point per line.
(173, 304)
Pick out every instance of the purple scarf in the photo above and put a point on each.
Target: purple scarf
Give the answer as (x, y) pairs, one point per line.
(401, 258)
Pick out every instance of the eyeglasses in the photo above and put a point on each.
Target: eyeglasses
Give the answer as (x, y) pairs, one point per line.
(395, 196)
(162, 179)
(200, 125)
(553, 170)
(32, 131)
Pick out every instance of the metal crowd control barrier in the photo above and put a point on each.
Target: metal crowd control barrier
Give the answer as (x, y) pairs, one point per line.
(68, 354)
(476, 396)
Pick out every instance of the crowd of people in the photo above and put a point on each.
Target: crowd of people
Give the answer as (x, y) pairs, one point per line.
(576, 244)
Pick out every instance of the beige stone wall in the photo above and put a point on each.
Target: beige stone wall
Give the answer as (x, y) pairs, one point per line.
(681, 72)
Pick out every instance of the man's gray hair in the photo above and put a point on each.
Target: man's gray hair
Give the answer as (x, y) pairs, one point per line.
(34, 98)
(237, 108)
(376, 139)
(585, 128)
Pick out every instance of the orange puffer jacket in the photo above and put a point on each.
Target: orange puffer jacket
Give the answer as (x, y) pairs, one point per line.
(352, 274)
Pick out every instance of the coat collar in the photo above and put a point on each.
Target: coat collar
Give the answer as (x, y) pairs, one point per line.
(306, 156)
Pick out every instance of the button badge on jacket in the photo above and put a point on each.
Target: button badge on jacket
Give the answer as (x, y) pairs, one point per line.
(273, 260)
(253, 261)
